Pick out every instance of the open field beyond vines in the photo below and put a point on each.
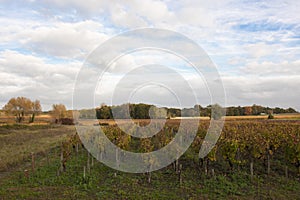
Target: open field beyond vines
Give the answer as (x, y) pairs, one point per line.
(253, 159)
(45, 119)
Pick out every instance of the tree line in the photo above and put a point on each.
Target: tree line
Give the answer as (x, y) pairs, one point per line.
(141, 111)
(256, 110)
(22, 107)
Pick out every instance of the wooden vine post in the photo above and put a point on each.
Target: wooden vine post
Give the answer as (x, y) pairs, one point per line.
(149, 177)
(251, 169)
(47, 158)
(268, 164)
(77, 147)
(62, 158)
(84, 172)
(180, 174)
(88, 163)
(213, 173)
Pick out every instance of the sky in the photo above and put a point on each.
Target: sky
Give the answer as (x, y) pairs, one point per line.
(255, 46)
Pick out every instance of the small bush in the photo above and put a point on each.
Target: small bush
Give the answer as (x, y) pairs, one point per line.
(271, 116)
(104, 124)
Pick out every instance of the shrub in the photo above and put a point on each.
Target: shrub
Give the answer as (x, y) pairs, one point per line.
(271, 116)
(67, 121)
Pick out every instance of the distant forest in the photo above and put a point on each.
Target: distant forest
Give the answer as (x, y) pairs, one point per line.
(141, 111)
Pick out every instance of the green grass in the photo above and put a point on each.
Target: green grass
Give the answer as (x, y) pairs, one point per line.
(101, 183)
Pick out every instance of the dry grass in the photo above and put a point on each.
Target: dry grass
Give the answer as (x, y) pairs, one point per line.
(276, 116)
(45, 119)
(17, 142)
(248, 117)
(288, 116)
(39, 120)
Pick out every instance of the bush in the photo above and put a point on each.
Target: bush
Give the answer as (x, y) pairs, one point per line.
(104, 124)
(270, 116)
(67, 121)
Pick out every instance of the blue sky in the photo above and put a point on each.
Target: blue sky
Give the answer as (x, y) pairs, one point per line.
(254, 44)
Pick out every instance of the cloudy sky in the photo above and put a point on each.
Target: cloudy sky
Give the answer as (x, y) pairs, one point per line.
(255, 46)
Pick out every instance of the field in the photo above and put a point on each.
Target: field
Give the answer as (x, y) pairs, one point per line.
(276, 116)
(253, 159)
(19, 141)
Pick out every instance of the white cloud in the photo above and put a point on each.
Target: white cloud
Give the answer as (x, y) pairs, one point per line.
(87, 7)
(269, 91)
(71, 40)
(43, 42)
(122, 18)
(269, 68)
(259, 50)
(34, 77)
(65, 40)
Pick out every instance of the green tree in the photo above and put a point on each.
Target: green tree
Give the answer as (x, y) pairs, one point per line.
(104, 112)
(291, 110)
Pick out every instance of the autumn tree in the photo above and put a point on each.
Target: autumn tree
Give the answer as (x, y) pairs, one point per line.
(58, 112)
(248, 110)
(36, 109)
(22, 106)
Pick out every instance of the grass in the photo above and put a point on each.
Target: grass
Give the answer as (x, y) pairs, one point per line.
(101, 183)
(18, 141)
